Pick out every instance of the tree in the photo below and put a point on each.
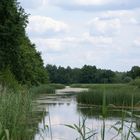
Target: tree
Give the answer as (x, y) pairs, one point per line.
(16, 51)
(88, 74)
(134, 72)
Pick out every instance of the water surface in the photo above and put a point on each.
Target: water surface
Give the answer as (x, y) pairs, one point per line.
(62, 109)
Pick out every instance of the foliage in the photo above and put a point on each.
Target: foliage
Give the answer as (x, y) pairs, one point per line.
(134, 72)
(127, 79)
(46, 88)
(16, 51)
(87, 74)
(115, 95)
(15, 110)
(42, 89)
(84, 132)
(57, 86)
(136, 82)
(8, 81)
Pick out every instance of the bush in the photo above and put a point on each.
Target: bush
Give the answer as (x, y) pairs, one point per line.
(136, 82)
(42, 89)
(127, 79)
(8, 81)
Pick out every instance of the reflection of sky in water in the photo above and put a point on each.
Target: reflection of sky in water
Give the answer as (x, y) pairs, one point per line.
(66, 113)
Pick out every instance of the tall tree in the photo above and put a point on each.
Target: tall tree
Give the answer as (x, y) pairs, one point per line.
(16, 51)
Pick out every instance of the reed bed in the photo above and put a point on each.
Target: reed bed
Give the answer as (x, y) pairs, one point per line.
(46, 88)
(15, 114)
(118, 95)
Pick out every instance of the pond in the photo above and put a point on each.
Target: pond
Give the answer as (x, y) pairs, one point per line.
(62, 109)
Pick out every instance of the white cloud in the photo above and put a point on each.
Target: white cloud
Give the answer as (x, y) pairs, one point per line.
(104, 26)
(33, 4)
(92, 2)
(137, 42)
(96, 5)
(97, 40)
(127, 16)
(109, 31)
(43, 26)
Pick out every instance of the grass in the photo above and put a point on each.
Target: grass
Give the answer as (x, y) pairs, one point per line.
(98, 86)
(18, 121)
(46, 88)
(57, 86)
(15, 111)
(116, 94)
(125, 128)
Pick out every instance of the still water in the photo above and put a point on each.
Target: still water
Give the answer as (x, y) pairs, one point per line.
(62, 110)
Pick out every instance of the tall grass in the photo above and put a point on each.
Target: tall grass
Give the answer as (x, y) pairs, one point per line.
(46, 88)
(115, 95)
(15, 109)
(57, 86)
(99, 86)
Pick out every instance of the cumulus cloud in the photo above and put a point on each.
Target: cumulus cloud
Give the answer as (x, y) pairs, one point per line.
(33, 4)
(104, 26)
(96, 5)
(109, 31)
(44, 26)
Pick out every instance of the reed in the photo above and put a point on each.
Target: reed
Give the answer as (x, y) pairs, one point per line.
(15, 114)
(46, 88)
(16, 110)
(117, 95)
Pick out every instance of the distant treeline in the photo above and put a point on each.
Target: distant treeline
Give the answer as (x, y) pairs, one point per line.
(89, 74)
(17, 53)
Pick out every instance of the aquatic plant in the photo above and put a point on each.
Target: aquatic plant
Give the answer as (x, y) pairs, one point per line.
(115, 95)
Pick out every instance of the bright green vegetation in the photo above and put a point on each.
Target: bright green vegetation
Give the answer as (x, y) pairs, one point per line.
(84, 132)
(18, 121)
(115, 94)
(57, 86)
(15, 111)
(46, 88)
(97, 86)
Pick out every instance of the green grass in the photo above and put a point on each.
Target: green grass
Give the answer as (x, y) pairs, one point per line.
(57, 86)
(116, 94)
(17, 119)
(46, 88)
(15, 111)
(98, 86)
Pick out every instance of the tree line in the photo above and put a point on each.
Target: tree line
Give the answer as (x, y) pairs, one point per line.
(89, 74)
(19, 56)
(17, 52)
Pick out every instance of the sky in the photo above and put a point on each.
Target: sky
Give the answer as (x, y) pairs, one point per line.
(105, 33)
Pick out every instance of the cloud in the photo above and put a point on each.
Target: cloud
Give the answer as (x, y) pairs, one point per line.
(137, 42)
(107, 36)
(46, 26)
(62, 45)
(104, 26)
(32, 4)
(96, 5)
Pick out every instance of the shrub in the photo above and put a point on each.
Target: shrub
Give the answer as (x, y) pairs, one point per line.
(136, 82)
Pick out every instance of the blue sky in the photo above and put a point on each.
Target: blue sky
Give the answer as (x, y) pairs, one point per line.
(105, 33)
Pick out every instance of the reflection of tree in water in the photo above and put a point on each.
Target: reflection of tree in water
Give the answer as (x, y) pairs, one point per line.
(113, 114)
(96, 112)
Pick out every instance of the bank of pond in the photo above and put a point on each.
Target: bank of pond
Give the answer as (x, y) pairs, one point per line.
(22, 113)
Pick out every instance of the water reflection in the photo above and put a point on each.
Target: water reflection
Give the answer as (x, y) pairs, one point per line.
(64, 110)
